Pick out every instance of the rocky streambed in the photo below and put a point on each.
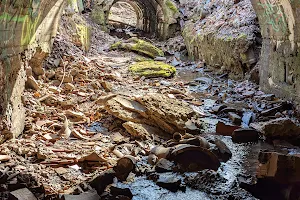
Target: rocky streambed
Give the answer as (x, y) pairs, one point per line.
(96, 129)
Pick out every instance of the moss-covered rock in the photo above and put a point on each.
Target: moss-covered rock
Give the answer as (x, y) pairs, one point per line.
(140, 46)
(151, 69)
(172, 6)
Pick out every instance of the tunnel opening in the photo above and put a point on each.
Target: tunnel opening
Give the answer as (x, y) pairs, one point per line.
(124, 19)
(139, 18)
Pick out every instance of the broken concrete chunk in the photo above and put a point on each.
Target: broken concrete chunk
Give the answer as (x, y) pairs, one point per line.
(22, 194)
(116, 109)
(245, 135)
(192, 158)
(171, 111)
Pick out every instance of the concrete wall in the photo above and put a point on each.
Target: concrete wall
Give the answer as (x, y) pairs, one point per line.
(24, 25)
(280, 56)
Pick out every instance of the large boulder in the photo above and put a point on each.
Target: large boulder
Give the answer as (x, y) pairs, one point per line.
(140, 46)
(156, 110)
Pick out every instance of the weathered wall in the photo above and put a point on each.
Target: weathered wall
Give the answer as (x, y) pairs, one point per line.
(24, 25)
(280, 56)
(157, 15)
(222, 33)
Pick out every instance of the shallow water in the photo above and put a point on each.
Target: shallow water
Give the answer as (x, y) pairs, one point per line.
(242, 165)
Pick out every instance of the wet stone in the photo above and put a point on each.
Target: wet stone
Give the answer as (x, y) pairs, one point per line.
(245, 135)
(22, 194)
(236, 119)
(164, 165)
(222, 151)
(225, 129)
(190, 158)
(170, 182)
(115, 191)
(90, 195)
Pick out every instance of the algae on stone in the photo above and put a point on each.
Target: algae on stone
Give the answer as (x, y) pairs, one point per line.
(172, 6)
(152, 69)
(140, 46)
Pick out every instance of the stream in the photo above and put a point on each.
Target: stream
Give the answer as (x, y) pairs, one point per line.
(240, 167)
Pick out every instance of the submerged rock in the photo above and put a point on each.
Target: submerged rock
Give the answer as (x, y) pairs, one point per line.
(152, 69)
(170, 182)
(140, 46)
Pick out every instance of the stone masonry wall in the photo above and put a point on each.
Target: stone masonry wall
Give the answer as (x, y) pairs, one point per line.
(24, 24)
(280, 56)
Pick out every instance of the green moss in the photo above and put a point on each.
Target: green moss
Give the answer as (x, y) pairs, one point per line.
(116, 45)
(242, 36)
(243, 57)
(139, 46)
(171, 6)
(152, 69)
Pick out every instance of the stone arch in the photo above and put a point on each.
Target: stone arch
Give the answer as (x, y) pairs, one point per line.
(155, 15)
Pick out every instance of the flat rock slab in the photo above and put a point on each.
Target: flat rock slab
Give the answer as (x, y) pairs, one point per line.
(131, 105)
(22, 194)
(154, 109)
(166, 112)
(142, 131)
